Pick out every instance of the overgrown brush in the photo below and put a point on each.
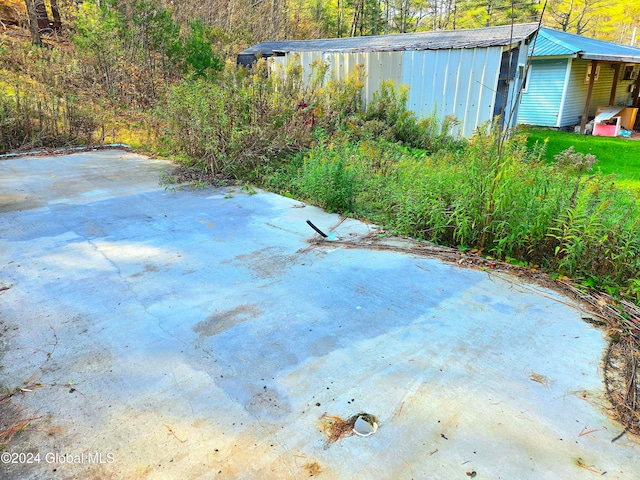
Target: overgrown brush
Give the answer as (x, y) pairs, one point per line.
(495, 197)
(242, 120)
(239, 122)
(329, 179)
(39, 104)
(389, 117)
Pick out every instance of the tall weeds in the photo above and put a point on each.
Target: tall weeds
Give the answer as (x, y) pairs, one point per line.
(389, 117)
(499, 200)
(39, 106)
(242, 120)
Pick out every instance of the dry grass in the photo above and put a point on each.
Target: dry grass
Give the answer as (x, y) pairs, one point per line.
(622, 360)
(622, 382)
(13, 421)
(335, 428)
(539, 378)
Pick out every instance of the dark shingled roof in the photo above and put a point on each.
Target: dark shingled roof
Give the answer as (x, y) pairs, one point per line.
(435, 40)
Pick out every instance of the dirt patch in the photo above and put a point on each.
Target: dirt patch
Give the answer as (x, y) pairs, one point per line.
(182, 174)
(621, 319)
(312, 468)
(219, 322)
(621, 374)
(268, 403)
(267, 262)
(11, 202)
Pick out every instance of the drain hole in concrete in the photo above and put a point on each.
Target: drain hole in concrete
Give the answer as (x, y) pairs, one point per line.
(365, 425)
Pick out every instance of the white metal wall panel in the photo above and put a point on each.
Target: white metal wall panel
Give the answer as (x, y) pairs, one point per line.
(452, 78)
(304, 58)
(277, 63)
(379, 66)
(307, 59)
(458, 82)
(481, 82)
(475, 89)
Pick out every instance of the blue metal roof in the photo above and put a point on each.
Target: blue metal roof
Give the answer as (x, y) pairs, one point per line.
(552, 42)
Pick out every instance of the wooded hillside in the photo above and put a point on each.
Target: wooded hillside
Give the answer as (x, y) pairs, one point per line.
(239, 23)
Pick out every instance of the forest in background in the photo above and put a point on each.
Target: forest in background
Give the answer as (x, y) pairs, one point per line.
(108, 62)
(236, 24)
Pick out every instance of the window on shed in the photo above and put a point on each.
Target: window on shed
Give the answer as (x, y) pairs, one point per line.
(586, 77)
(630, 72)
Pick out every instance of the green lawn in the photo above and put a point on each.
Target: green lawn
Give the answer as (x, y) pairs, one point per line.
(618, 156)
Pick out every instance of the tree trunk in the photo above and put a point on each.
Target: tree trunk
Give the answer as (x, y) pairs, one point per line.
(42, 15)
(55, 13)
(33, 23)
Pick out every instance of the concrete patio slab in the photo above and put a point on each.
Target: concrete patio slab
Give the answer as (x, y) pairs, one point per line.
(160, 333)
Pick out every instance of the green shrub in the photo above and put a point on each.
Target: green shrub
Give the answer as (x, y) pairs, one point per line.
(328, 179)
(198, 53)
(388, 116)
(230, 126)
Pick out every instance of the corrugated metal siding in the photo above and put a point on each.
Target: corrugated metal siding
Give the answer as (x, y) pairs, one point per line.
(458, 82)
(382, 66)
(541, 103)
(379, 66)
(305, 59)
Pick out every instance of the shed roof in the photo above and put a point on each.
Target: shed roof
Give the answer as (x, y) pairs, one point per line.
(552, 42)
(435, 40)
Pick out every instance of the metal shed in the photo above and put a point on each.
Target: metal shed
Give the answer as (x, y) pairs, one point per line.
(472, 75)
(561, 92)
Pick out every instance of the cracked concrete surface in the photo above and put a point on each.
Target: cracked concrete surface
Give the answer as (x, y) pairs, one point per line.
(195, 334)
